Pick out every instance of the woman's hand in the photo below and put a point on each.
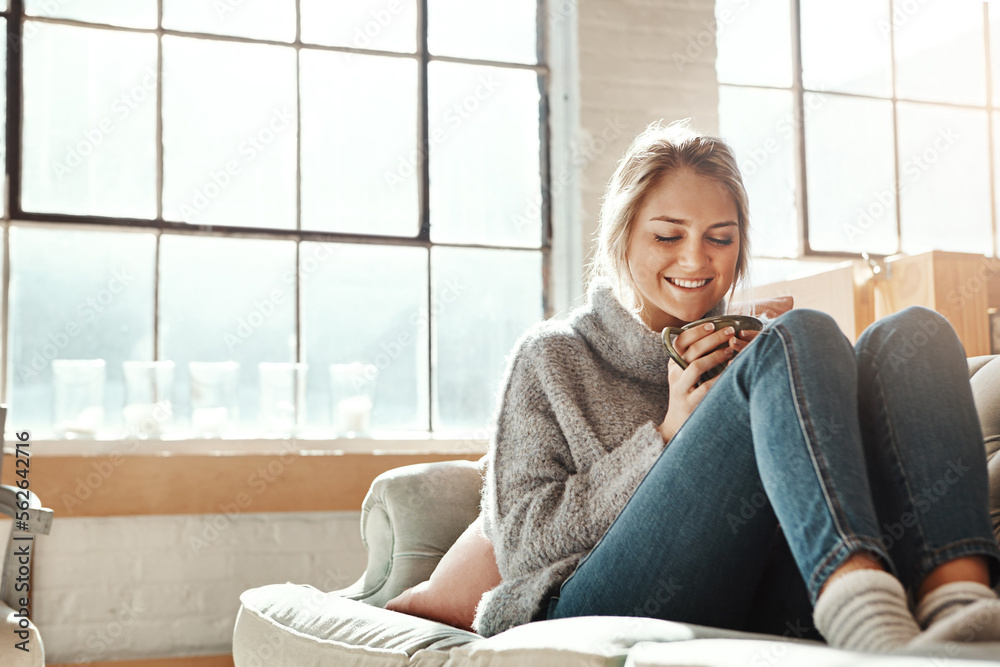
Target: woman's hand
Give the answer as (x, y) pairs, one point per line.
(697, 348)
(745, 338)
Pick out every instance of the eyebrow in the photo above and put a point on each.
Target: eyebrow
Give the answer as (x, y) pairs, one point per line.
(687, 223)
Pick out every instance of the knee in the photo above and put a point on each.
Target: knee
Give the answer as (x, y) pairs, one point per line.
(815, 332)
(809, 322)
(911, 329)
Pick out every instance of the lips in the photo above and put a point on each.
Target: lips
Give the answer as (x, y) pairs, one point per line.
(689, 284)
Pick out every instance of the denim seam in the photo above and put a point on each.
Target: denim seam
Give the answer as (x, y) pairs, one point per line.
(842, 550)
(895, 451)
(808, 432)
(969, 547)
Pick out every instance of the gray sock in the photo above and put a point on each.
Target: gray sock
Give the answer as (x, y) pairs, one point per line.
(865, 610)
(962, 611)
(949, 598)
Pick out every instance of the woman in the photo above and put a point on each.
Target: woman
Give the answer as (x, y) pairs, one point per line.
(808, 474)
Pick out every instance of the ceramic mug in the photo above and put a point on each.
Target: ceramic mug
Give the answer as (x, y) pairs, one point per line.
(738, 322)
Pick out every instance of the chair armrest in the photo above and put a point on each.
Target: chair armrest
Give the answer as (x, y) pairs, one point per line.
(39, 518)
(976, 364)
(410, 518)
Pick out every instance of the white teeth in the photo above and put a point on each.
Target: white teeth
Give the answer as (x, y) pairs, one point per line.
(687, 283)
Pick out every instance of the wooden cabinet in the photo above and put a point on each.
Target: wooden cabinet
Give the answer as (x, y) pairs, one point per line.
(960, 286)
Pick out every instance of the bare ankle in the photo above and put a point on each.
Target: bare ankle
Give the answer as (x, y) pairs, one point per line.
(966, 568)
(862, 560)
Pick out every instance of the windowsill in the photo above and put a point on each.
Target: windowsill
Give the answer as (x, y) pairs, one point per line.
(305, 444)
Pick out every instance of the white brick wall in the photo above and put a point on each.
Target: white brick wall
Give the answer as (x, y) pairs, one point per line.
(633, 70)
(118, 588)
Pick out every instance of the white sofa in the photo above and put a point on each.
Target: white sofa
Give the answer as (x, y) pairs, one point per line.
(411, 516)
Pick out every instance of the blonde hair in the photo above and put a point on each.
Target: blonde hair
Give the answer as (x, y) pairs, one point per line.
(656, 152)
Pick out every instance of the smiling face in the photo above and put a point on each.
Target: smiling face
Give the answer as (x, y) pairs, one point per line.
(683, 248)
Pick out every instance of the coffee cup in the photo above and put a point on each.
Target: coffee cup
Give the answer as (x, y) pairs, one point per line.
(738, 322)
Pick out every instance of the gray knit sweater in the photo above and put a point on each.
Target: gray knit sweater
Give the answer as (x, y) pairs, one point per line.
(576, 431)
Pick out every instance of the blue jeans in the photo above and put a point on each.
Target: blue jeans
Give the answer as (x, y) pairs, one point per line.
(804, 452)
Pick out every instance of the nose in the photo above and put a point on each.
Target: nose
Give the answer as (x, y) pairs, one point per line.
(692, 255)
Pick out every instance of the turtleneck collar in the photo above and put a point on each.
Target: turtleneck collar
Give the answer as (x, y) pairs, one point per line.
(620, 337)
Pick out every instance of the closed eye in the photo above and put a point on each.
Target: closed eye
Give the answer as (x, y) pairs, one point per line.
(674, 239)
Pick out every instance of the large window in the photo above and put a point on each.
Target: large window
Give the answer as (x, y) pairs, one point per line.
(297, 203)
(863, 125)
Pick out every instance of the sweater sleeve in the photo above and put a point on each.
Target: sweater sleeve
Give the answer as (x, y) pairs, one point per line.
(549, 495)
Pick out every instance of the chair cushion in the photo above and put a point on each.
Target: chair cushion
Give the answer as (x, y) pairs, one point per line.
(294, 625)
(592, 641)
(742, 652)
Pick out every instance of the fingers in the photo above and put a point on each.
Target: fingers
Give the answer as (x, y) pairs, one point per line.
(744, 338)
(691, 336)
(688, 380)
(707, 343)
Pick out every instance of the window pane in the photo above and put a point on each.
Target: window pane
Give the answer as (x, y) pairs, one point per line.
(359, 173)
(850, 174)
(866, 67)
(761, 127)
(483, 30)
(484, 155)
(484, 300)
(994, 19)
(384, 25)
(944, 179)
(754, 42)
(940, 53)
(89, 134)
(229, 133)
(125, 13)
(3, 100)
(257, 19)
(226, 299)
(367, 304)
(102, 309)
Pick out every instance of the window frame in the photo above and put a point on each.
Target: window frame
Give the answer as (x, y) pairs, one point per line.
(799, 112)
(15, 215)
